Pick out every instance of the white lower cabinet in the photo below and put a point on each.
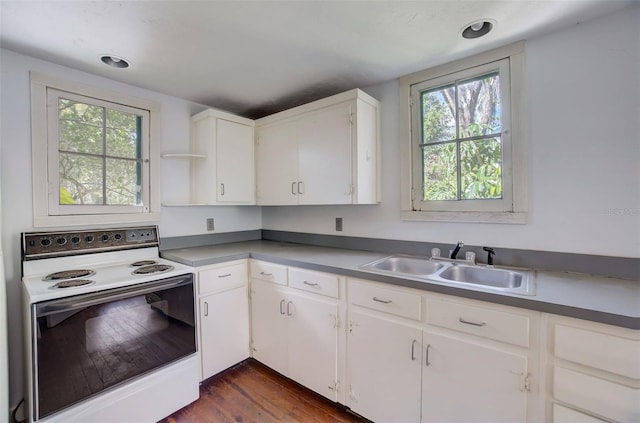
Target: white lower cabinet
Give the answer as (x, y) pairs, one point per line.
(296, 333)
(407, 364)
(384, 367)
(224, 324)
(594, 372)
(463, 381)
(269, 325)
(223, 311)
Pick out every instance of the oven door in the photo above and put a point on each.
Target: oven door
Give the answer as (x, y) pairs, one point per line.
(86, 344)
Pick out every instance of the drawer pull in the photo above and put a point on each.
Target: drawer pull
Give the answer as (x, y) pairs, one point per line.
(289, 313)
(225, 275)
(266, 274)
(310, 283)
(426, 361)
(282, 307)
(206, 309)
(381, 301)
(413, 350)
(468, 322)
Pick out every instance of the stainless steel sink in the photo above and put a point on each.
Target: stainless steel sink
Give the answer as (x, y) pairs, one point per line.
(404, 265)
(448, 272)
(486, 276)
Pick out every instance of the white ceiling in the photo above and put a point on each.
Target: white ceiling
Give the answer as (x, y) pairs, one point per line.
(256, 58)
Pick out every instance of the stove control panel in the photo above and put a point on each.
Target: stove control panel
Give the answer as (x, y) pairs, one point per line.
(52, 244)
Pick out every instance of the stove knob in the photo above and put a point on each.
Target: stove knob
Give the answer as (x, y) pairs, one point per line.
(45, 242)
(105, 238)
(88, 239)
(75, 239)
(61, 241)
(117, 237)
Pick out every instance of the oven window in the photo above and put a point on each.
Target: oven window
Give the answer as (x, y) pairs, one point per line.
(82, 352)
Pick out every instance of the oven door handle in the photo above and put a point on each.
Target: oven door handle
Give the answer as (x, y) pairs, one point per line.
(85, 300)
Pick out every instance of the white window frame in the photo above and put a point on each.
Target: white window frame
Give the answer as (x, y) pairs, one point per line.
(512, 208)
(47, 210)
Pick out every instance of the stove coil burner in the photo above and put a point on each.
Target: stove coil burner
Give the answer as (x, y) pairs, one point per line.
(156, 268)
(69, 274)
(143, 263)
(72, 283)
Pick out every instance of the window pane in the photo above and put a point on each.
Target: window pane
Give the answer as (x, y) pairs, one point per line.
(80, 179)
(481, 169)
(438, 115)
(123, 132)
(479, 106)
(80, 127)
(123, 182)
(440, 172)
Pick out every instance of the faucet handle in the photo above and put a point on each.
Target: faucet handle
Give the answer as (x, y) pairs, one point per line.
(490, 253)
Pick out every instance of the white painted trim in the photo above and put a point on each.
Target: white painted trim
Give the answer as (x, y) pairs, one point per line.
(519, 197)
(516, 218)
(42, 215)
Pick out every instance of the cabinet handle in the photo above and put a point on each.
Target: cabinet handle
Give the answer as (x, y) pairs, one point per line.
(300, 184)
(310, 283)
(222, 189)
(266, 274)
(293, 188)
(413, 350)
(225, 275)
(282, 307)
(381, 301)
(206, 308)
(468, 322)
(426, 362)
(289, 311)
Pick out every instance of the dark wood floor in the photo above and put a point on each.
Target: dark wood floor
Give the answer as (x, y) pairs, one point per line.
(251, 392)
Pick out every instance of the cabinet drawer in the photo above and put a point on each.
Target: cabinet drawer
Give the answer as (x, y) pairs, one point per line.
(222, 278)
(602, 397)
(602, 351)
(317, 282)
(482, 321)
(271, 272)
(390, 301)
(567, 415)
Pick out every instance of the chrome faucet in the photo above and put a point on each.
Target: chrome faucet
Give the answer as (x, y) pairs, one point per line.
(456, 250)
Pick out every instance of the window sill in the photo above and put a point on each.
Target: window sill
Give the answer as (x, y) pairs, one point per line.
(95, 219)
(510, 218)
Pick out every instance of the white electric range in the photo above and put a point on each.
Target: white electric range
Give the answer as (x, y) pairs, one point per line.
(110, 327)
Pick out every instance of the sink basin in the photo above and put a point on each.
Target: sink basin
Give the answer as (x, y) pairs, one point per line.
(485, 276)
(405, 265)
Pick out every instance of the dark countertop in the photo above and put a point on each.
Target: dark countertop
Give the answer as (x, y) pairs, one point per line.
(595, 298)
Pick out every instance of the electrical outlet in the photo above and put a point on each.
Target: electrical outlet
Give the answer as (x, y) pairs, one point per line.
(339, 224)
(210, 226)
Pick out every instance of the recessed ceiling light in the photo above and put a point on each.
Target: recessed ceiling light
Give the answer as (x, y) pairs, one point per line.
(114, 61)
(477, 29)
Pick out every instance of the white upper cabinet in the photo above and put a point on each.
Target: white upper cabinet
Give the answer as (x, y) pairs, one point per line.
(325, 152)
(227, 173)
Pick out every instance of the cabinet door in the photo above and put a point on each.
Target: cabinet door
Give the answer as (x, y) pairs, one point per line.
(313, 343)
(325, 156)
(224, 330)
(269, 325)
(467, 382)
(277, 165)
(234, 162)
(384, 365)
